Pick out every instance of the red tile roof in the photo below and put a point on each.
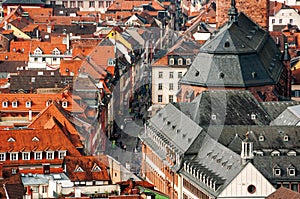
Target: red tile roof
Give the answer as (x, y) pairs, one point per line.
(282, 193)
(91, 169)
(126, 5)
(70, 66)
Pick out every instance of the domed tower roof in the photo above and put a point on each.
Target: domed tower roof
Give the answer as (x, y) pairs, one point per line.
(239, 54)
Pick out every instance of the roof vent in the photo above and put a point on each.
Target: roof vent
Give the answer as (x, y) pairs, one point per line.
(189, 140)
(183, 135)
(227, 44)
(168, 122)
(249, 37)
(173, 126)
(221, 75)
(253, 31)
(178, 130)
(261, 138)
(254, 75)
(197, 73)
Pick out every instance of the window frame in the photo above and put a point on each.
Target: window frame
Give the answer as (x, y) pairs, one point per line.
(14, 158)
(2, 156)
(23, 155)
(36, 157)
(171, 75)
(159, 98)
(160, 74)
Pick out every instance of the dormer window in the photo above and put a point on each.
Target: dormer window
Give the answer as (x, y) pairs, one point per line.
(35, 139)
(291, 153)
(55, 52)
(15, 104)
(171, 61)
(11, 139)
(188, 61)
(38, 51)
(2, 156)
(4, 104)
(253, 116)
(38, 155)
(26, 156)
(275, 153)
(78, 169)
(213, 117)
(285, 138)
(276, 171)
(48, 102)
(96, 168)
(261, 138)
(291, 171)
(28, 104)
(180, 62)
(111, 62)
(62, 154)
(50, 155)
(65, 104)
(14, 156)
(258, 153)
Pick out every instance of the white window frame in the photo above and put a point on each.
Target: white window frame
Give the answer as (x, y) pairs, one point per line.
(292, 153)
(62, 154)
(277, 172)
(171, 86)
(171, 74)
(171, 97)
(253, 116)
(275, 153)
(65, 104)
(160, 74)
(5, 104)
(14, 156)
(158, 99)
(28, 104)
(285, 138)
(2, 156)
(291, 171)
(171, 61)
(14, 104)
(38, 51)
(48, 154)
(36, 155)
(261, 138)
(180, 61)
(23, 155)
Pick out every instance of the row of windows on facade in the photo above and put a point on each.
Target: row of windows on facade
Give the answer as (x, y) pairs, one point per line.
(160, 98)
(171, 86)
(54, 59)
(28, 104)
(179, 61)
(171, 74)
(50, 155)
(92, 4)
(280, 21)
(275, 153)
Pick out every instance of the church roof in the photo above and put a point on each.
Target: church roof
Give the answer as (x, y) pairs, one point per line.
(239, 54)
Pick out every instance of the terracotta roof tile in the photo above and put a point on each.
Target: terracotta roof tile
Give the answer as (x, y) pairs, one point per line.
(126, 5)
(92, 168)
(283, 192)
(70, 66)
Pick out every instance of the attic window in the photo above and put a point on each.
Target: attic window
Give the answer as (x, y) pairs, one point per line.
(261, 138)
(171, 61)
(28, 104)
(227, 44)
(96, 168)
(259, 153)
(197, 73)
(178, 130)
(78, 169)
(254, 75)
(277, 171)
(180, 62)
(291, 171)
(11, 139)
(275, 153)
(4, 104)
(15, 104)
(35, 139)
(213, 117)
(221, 75)
(188, 61)
(291, 153)
(65, 104)
(285, 138)
(253, 116)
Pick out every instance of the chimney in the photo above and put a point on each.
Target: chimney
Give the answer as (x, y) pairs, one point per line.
(1, 171)
(247, 150)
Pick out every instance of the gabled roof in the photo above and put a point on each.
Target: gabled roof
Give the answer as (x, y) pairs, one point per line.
(239, 54)
(87, 165)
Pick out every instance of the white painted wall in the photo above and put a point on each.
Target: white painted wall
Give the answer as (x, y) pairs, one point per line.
(283, 17)
(248, 176)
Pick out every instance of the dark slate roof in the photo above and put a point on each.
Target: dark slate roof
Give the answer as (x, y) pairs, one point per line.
(176, 127)
(217, 162)
(11, 66)
(237, 55)
(29, 81)
(274, 109)
(75, 29)
(231, 107)
(273, 137)
(265, 165)
(24, 2)
(289, 117)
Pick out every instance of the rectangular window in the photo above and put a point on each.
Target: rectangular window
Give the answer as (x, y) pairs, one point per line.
(107, 4)
(38, 155)
(160, 74)
(280, 20)
(2, 157)
(92, 4)
(80, 4)
(14, 156)
(179, 74)
(273, 20)
(159, 98)
(15, 104)
(61, 154)
(26, 156)
(171, 86)
(160, 86)
(291, 21)
(65, 4)
(5, 104)
(171, 98)
(44, 189)
(28, 104)
(101, 4)
(180, 61)
(72, 4)
(35, 59)
(171, 74)
(52, 2)
(50, 155)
